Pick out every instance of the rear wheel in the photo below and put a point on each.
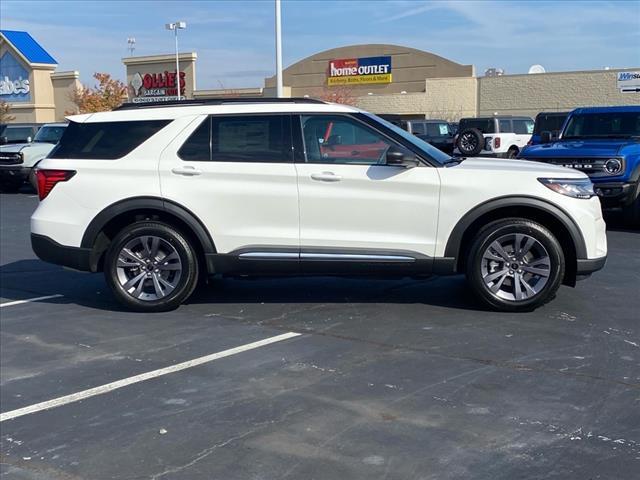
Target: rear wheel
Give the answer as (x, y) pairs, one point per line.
(512, 152)
(515, 265)
(151, 267)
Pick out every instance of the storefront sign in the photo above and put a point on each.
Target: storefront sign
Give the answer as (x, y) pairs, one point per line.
(152, 87)
(14, 80)
(358, 71)
(628, 82)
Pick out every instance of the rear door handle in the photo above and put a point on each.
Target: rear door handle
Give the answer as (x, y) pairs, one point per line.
(187, 171)
(326, 177)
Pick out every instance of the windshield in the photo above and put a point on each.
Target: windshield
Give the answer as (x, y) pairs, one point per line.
(17, 134)
(603, 125)
(49, 134)
(549, 122)
(431, 152)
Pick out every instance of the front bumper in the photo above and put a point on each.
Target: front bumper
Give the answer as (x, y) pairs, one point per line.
(615, 194)
(51, 251)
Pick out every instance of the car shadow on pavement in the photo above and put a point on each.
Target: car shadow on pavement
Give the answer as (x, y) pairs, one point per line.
(32, 278)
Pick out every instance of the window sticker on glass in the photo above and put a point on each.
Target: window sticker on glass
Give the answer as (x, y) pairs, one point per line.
(444, 129)
(530, 127)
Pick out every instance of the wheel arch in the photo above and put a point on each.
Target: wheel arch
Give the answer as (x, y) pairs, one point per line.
(549, 215)
(112, 219)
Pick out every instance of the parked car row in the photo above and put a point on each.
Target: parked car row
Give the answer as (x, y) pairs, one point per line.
(17, 159)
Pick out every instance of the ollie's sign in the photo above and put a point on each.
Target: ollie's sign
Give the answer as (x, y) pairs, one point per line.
(152, 87)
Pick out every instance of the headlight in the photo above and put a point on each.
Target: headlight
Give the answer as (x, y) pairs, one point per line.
(571, 187)
(613, 166)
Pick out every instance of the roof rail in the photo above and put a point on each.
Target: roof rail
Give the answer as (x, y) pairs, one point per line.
(215, 101)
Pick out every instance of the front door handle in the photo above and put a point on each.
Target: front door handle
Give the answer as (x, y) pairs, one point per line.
(326, 177)
(187, 171)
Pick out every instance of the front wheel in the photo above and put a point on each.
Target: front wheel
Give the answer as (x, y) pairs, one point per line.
(151, 267)
(515, 264)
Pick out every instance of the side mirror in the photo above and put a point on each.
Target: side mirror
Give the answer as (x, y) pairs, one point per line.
(401, 157)
(4, 140)
(545, 137)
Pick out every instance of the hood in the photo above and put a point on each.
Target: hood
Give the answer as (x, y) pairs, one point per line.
(518, 166)
(13, 147)
(577, 148)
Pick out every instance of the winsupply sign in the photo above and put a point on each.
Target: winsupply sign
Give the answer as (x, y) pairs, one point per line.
(358, 71)
(628, 82)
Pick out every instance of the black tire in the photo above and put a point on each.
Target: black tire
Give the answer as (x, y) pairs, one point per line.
(10, 186)
(171, 239)
(631, 213)
(512, 152)
(470, 141)
(502, 229)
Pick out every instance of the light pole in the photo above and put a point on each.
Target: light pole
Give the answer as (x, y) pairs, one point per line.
(175, 27)
(131, 41)
(278, 51)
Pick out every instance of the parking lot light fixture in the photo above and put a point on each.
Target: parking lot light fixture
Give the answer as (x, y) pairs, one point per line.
(175, 26)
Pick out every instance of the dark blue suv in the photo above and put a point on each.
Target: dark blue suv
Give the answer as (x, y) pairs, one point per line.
(604, 143)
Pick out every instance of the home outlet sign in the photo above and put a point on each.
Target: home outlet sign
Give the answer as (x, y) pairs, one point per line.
(154, 87)
(357, 71)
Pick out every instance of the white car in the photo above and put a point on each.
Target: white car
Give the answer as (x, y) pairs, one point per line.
(156, 197)
(502, 136)
(18, 159)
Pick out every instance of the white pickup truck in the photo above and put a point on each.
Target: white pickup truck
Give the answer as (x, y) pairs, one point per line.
(498, 136)
(18, 159)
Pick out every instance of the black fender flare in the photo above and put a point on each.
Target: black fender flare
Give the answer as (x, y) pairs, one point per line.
(145, 203)
(454, 242)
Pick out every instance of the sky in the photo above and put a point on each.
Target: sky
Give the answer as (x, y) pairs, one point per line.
(235, 44)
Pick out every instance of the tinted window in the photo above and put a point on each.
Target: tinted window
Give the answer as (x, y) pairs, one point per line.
(549, 122)
(258, 138)
(417, 128)
(198, 146)
(485, 125)
(523, 127)
(340, 139)
(104, 140)
(610, 124)
(438, 129)
(505, 126)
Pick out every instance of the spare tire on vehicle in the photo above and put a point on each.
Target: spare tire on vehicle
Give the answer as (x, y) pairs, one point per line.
(470, 141)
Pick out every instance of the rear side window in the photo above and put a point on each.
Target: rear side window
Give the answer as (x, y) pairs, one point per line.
(197, 148)
(251, 139)
(104, 140)
(523, 127)
(417, 128)
(485, 125)
(505, 126)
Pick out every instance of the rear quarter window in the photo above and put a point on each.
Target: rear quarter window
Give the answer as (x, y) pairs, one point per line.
(104, 140)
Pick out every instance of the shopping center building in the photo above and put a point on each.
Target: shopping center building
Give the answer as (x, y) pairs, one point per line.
(384, 79)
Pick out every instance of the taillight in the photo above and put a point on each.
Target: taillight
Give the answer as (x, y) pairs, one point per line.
(496, 142)
(47, 179)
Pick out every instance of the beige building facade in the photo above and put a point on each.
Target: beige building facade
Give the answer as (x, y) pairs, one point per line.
(152, 78)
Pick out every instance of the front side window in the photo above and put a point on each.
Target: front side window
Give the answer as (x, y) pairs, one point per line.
(417, 128)
(438, 129)
(104, 140)
(340, 139)
(523, 127)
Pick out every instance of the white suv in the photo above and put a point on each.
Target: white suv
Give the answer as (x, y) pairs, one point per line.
(499, 136)
(158, 197)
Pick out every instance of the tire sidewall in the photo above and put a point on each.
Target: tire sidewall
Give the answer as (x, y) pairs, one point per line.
(188, 259)
(497, 230)
(479, 139)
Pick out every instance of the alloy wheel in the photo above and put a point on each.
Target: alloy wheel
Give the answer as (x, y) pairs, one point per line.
(148, 268)
(515, 267)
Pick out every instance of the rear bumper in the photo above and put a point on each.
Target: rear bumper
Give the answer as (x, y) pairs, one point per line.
(14, 173)
(586, 266)
(51, 251)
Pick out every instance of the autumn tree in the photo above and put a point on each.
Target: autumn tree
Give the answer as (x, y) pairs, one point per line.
(337, 94)
(4, 112)
(105, 96)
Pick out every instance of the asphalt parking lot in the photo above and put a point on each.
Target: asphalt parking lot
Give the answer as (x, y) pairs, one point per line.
(387, 379)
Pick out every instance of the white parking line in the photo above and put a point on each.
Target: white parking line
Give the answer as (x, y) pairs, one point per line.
(75, 397)
(28, 300)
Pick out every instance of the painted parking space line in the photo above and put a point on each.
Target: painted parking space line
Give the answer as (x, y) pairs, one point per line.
(29, 300)
(109, 387)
